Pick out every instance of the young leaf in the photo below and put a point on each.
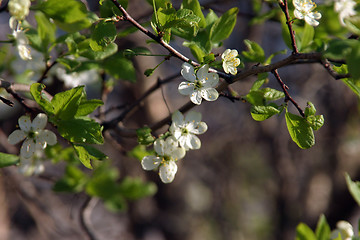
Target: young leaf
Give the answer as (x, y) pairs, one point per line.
(74, 180)
(354, 188)
(303, 232)
(139, 152)
(223, 27)
(135, 188)
(46, 30)
(87, 153)
(194, 6)
(339, 49)
(300, 130)
(262, 78)
(315, 121)
(86, 51)
(88, 106)
(322, 231)
(66, 103)
(103, 34)
(255, 53)
(261, 113)
(353, 61)
(120, 67)
(144, 136)
(81, 130)
(307, 36)
(36, 93)
(8, 159)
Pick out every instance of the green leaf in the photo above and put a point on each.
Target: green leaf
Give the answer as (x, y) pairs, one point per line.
(316, 122)
(194, 6)
(310, 109)
(261, 113)
(353, 61)
(87, 153)
(322, 231)
(307, 36)
(74, 180)
(86, 51)
(196, 50)
(262, 78)
(88, 106)
(354, 188)
(68, 63)
(46, 30)
(108, 9)
(303, 232)
(223, 27)
(339, 49)
(120, 67)
(69, 15)
(44, 103)
(135, 188)
(353, 85)
(255, 53)
(271, 94)
(66, 103)
(255, 98)
(8, 159)
(300, 130)
(81, 130)
(103, 34)
(144, 136)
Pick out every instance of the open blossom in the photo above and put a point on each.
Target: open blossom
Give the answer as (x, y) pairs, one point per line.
(230, 61)
(304, 10)
(36, 138)
(22, 43)
(185, 129)
(199, 86)
(19, 8)
(167, 154)
(344, 229)
(345, 8)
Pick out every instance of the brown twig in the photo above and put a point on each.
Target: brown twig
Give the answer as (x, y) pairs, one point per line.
(85, 216)
(327, 65)
(284, 7)
(287, 95)
(47, 69)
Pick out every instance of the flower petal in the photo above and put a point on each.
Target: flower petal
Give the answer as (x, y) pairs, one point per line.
(177, 118)
(167, 171)
(193, 142)
(194, 117)
(159, 146)
(202, 72)
(188, 72)
(39, 122)
(210, 94)
(298, 14)
(315, 15)
(150, 162)
(225, 67)
(225, 53)
(212, 79)
(311, 21)
(186, 88)
(28, 148)
(201, 128)
(16, 136)
(25, 123)
(46, 137)
(178, 153)
(196, 98)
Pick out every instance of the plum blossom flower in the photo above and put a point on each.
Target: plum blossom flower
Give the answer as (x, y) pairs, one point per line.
(200, 85)
(22, 43)
(185, 129)
(36, 138)
(19, 8)
(167, 154)
(345, 8)
(304, 10)
(230, 61)
(33, 165)
(344, 229)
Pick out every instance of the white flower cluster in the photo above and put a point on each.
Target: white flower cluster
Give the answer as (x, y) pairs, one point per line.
(36, 139)
(183, 130)
(304, 10)
(168, 151)
(19, 9)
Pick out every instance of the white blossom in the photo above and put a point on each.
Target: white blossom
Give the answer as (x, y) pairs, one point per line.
(230, 61)
(184, 129)
(345, 8)
(33, 165)
(167, 154)
(34, 134)
(304, 10)
(19, 8)
(75, 79)
(344, 229)
(200, 85)
(22, 42)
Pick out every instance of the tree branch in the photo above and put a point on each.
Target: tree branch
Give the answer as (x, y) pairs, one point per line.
(284, 7)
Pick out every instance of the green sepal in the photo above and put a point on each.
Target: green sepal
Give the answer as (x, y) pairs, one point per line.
(144, 136)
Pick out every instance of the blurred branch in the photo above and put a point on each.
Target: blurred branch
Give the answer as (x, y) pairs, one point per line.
(85, 216)
(47, 69)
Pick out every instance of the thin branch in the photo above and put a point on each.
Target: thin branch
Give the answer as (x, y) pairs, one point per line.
(284, 7)
(8, 87)
(126, 17)
(47, 69)
(6, 101)
(287, 95)
(85, 216)
(327, 65)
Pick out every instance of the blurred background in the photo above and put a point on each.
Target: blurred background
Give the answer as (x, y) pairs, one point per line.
(248, 180)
